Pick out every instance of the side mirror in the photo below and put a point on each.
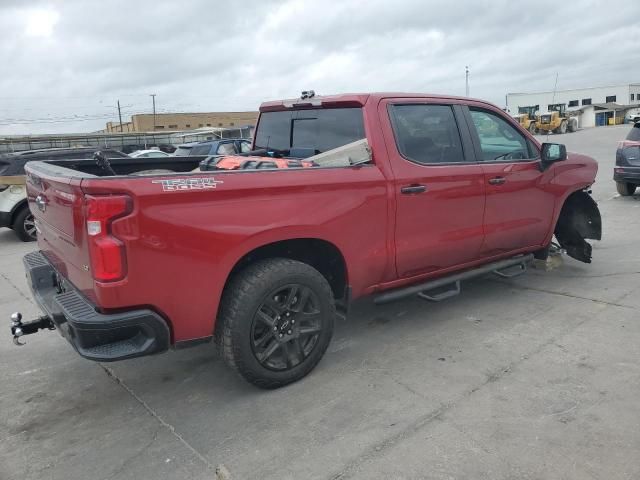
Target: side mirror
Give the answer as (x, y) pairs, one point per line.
(551, 153)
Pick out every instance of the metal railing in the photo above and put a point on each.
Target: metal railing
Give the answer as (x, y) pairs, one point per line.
(118, 141)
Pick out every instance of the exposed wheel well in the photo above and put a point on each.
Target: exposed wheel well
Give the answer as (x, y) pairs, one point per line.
(320, 254)
(17, 207)
(579, 219)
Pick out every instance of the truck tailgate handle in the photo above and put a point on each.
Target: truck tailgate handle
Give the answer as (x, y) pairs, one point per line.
(413, 189)
(497, 180)
(41, 202)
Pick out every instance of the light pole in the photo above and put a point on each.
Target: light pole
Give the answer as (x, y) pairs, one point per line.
(120, 116)
(153, 96)
(466, 78)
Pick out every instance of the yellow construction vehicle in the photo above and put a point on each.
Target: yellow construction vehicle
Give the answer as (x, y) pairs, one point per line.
(527, 117)
(556, 120)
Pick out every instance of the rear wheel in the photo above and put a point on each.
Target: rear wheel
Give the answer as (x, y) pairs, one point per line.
(24, 225)
(532, 128)
(276, 321)
(625, 189)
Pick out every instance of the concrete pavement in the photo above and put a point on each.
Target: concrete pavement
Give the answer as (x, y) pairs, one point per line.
(536, 377)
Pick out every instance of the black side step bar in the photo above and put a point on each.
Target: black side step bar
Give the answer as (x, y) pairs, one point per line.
(500, 268)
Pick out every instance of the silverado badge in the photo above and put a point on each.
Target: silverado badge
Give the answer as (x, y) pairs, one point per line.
(181, 184)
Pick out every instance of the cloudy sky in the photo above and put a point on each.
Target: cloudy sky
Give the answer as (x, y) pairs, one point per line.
(67, 62)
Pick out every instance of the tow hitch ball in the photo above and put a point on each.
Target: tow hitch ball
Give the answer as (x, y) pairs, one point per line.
(18, 329)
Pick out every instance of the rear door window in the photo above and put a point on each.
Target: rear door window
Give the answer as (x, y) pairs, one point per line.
(427, 134)
(200, 150)
(182, 151)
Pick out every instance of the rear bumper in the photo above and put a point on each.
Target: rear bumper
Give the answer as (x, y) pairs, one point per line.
(626, 174)
(94, 335)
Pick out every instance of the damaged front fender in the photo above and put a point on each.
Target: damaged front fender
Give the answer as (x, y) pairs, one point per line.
(579, 219)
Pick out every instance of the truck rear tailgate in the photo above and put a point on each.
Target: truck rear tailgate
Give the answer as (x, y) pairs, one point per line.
(58, 207)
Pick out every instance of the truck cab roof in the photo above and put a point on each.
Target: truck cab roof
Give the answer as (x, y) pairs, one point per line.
(350, 99)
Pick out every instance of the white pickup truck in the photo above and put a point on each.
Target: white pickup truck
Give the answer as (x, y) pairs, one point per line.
(633, 115)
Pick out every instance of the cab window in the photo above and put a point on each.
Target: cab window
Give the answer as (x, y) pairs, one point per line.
(499, 140)
(315, 130)
(427, 134)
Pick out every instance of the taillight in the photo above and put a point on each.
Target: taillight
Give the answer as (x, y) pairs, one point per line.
(108, 256)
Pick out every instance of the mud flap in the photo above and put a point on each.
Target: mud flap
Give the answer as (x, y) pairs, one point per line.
(579, 219)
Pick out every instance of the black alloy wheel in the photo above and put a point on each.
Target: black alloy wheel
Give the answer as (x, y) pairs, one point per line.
(276, 321)
(286, 327)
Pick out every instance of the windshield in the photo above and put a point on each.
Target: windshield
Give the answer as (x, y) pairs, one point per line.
(309, 131)
(634, 133)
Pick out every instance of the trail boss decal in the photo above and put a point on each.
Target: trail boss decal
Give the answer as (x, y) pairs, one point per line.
(180, 184)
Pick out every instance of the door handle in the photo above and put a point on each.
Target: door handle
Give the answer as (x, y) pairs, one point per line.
(497, 180)
(413, 189)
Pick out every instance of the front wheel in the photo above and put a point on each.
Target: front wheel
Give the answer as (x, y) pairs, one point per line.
(563, 127)
(24, 225)
(625, 189)
(276, 321)
(532, 128)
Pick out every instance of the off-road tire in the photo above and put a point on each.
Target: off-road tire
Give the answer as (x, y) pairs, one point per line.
(563, 127)
(572, 126)
(21, 222)
(532, 128)
(245, 294)
(626, 189)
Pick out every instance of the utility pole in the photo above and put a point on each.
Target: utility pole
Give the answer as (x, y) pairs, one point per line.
(120, 116)
(153, 96)
(466, 78)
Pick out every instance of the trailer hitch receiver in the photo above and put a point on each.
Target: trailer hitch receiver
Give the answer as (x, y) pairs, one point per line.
(19, 329)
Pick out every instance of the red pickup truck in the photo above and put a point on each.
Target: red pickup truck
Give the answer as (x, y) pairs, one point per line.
(263, 259)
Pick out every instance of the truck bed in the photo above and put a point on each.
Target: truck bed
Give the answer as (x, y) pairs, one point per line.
(126, 166)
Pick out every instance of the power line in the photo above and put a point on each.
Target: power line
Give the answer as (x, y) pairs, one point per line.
(26, 121)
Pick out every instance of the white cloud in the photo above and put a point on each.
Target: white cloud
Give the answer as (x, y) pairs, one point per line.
(40, 22)
(229, 55)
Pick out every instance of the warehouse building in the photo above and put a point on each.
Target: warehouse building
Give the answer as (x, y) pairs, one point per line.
(596, 106)
(148, 122)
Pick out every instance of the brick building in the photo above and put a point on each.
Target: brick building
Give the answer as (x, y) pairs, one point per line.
(144, 122)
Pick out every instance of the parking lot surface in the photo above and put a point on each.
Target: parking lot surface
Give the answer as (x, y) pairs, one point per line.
(536, 377)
